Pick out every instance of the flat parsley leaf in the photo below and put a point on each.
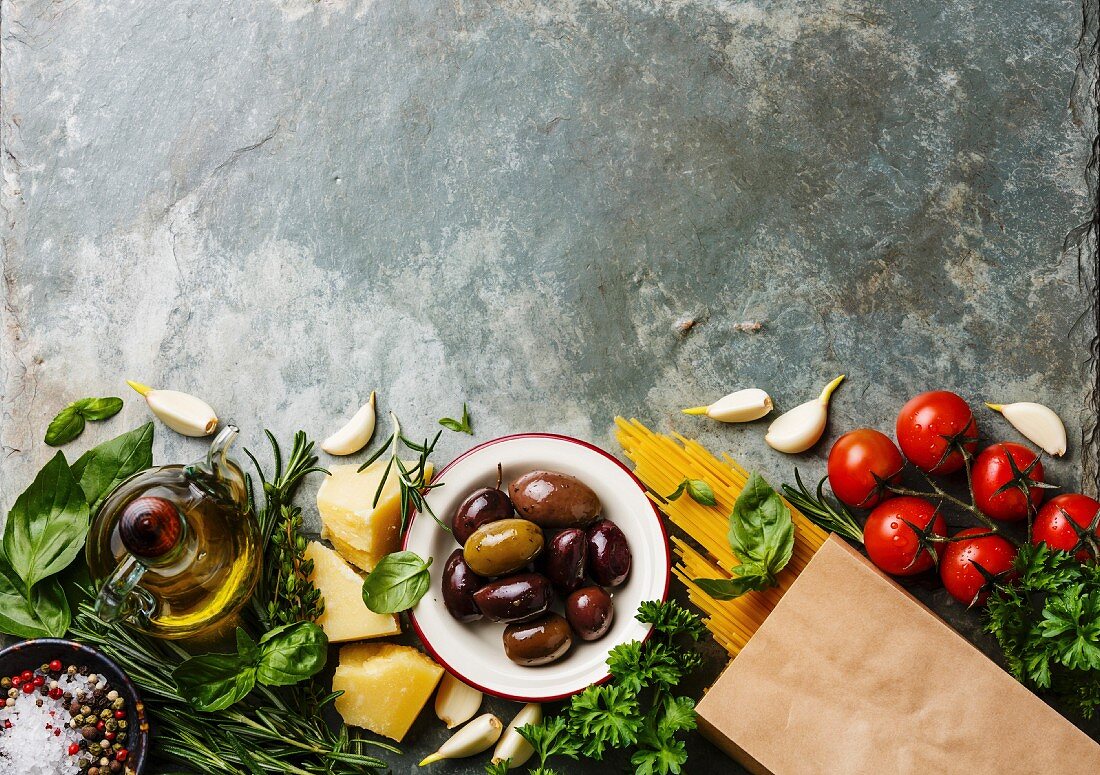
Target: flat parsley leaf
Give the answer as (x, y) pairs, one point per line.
(604, 716)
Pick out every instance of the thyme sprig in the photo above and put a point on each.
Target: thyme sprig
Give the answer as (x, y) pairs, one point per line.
(413, 482)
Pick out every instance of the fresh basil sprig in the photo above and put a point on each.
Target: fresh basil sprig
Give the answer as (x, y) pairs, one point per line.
(700, 492)
(69, 422)
(46, 528)
(284, 656)
(761, 535)
(459, 426)
(397, 583)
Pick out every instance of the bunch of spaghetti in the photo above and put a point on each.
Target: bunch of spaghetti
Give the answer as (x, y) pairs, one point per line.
(662, 462)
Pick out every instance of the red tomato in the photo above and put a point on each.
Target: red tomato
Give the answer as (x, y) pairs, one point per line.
(1052, 525)
(958, 566)
(992, 472)
(926, 426)
(856, 459)
(892, 543)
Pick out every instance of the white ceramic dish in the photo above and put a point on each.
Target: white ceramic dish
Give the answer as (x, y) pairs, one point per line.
(475, 652)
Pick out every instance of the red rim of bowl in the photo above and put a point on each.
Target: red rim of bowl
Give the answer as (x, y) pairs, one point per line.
(656, 515)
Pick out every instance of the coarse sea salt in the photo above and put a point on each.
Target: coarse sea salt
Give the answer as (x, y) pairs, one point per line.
(38, 740)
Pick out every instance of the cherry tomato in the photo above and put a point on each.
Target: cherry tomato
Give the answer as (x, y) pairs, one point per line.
(1052, 525)
(958, 565)
(926, 426)
(992, 472)
(856, 459)
(891, 541)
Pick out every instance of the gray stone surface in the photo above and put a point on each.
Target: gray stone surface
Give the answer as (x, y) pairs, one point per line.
(282, 205)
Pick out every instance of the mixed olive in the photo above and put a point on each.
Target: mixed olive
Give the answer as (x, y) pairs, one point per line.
(508, 571)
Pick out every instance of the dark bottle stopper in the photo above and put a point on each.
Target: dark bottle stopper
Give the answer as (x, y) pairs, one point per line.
(150, 527)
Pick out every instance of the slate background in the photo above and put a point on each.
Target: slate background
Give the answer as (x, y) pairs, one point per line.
(285, 204)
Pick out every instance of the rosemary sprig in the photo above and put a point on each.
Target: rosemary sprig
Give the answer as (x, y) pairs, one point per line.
(821, 511)
(286, 594)
(274, 729)
(412, 481)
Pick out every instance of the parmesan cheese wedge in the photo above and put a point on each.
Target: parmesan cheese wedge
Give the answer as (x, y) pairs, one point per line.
(346, 617)
(385, 686)
(363, 533)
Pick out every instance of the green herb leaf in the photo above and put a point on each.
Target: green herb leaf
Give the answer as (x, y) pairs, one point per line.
(46, 527)
(458, 426)
(670, 618)
(247, 649)
(605, 717)
(550, 738)
(42, 614)
(69, 422)
(700, 492)
(761, 535)
(291, 653)
(497, 768)
(214, 681)
(104, 467)
(397, 583)
(66, 426)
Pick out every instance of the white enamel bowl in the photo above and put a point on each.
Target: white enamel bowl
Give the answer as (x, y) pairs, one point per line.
(474, 652)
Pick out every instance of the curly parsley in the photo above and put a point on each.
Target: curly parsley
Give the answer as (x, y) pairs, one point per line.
(1048, 625)
(637, 708)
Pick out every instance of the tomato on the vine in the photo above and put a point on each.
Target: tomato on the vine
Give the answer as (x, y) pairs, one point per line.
(992, 471)
(930, 428)
(1052, 525)
(860, 462)
(959, 565)
(890, 539)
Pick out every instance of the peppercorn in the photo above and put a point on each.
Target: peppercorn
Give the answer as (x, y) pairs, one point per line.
(93, 771)
(111, 725)
(95, 749)
(123, 723)
(115, 766)
(5, 683)
(118, 703)
(105, 713)
(88, 732)
(86, 710)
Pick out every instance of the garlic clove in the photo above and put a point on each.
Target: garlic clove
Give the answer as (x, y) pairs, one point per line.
(356, 432)
(475, 737)
(455, 702)
(512, 746)
(741, 406)
(1038, 424)
(800, 428)
(182, 412)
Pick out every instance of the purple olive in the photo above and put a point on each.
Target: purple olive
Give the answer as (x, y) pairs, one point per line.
(590, 611)
(553, 500)
(608, 554)
(459, 585)
(539, 642)
(515, 598)
(480, 507)
(564, 559)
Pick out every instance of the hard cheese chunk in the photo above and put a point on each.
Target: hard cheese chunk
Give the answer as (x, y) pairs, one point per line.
(346, 616)
(363, 534)
(385, 686)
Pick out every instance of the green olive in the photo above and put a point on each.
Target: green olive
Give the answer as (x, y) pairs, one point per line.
(502, 547)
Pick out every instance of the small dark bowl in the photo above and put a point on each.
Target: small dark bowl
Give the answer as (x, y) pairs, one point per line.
(32, 654)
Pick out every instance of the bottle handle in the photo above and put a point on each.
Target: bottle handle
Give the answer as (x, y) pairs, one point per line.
(122, 598)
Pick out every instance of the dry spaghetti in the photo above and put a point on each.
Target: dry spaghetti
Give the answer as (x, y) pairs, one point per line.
(662, 462)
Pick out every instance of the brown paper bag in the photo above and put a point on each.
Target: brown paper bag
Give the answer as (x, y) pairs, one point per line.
(850, 674)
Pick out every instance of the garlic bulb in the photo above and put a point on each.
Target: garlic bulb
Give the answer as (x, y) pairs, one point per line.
(1038, 424)
(472, 739)
(801, 427)
(455, 702)
(182, 412)
(513, 747)
(356, 432)
(742, 406)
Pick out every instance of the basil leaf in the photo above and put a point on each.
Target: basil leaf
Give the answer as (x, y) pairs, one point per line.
(291, 653)
(700, 492)
(761, 535)
(458, 426)
(247, 649)
(761, 532)
(104, 467)
(69, 422)
(397, 583)
(45, 614)
(96, 409)
(46, 527)
(66, 426)
(214, 681)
